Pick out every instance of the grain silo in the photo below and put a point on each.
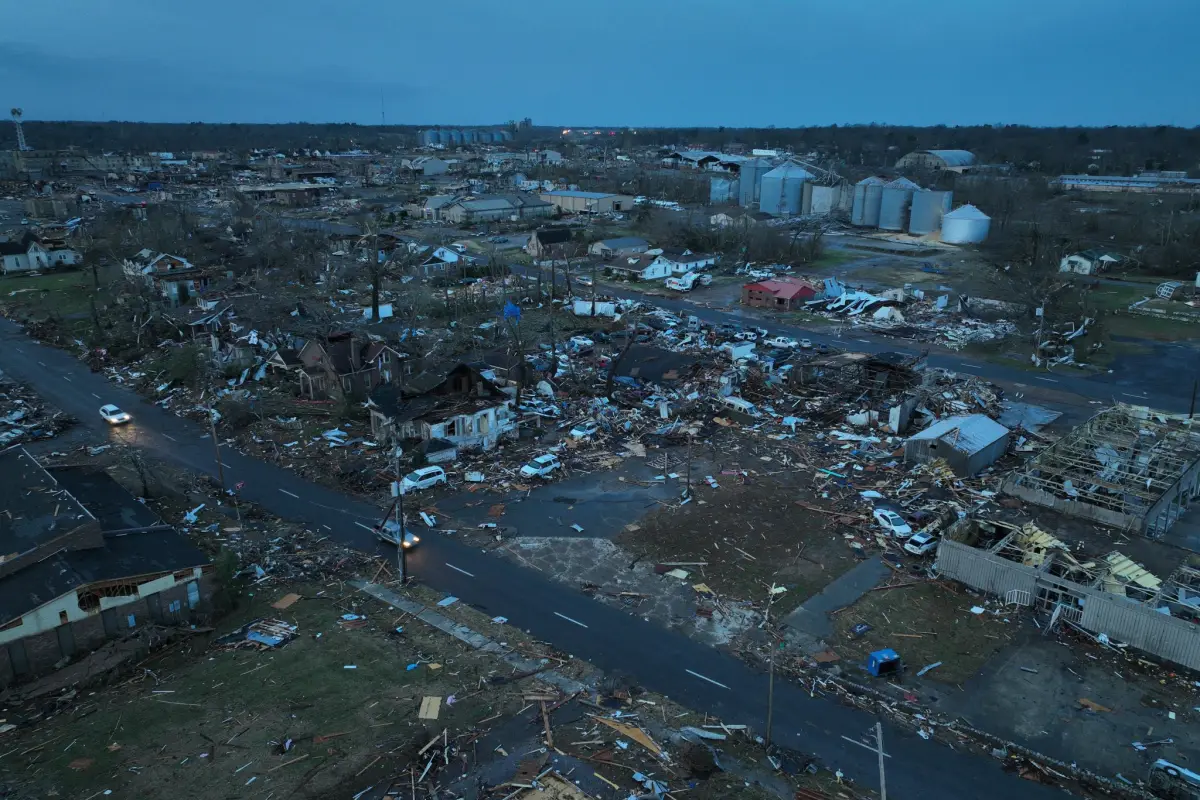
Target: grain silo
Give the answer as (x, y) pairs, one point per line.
(454, 136)
(928, 208)
(782, 190)
(868, 194)
(722, 191)
(750, 181)
(965, 225)
(893, 208)
(824, 199)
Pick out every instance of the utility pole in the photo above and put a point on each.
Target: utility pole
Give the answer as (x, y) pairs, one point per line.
(879, 750)
(771, 693)
(401, 556)
(688, 493)
(1192, 409)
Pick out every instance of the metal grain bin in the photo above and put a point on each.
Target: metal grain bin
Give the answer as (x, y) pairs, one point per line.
(824, 199)
(928, 208)
(782, 190)
(965, 225)
(868, 194)
(722, 191)
(750, 181)
(893, 208)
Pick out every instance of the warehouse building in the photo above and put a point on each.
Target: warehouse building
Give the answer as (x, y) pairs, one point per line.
(576, 202)
(495, 207)
(948, 160)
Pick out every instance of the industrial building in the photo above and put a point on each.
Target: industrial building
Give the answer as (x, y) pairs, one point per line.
(948, 160)
(426, 165)
(487, 208)
(455, 136)
(1163, 182)
(965, 225)
(289, 194)
(1128, 467)
(576, 202)
(1110, 596)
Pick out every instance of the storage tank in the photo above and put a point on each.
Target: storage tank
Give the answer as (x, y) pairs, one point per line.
(750, 181)
(722, 191)
(782, 190)
(824, 199)
(928, 208)
(868, 194)
(454, 136)
(893, 208)
(470, 136)
(965, 225)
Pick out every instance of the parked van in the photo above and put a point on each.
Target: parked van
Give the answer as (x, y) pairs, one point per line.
(736, 403)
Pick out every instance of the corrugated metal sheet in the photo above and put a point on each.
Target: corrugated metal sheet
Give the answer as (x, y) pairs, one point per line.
(983, 571)
(782, 190)
(955, 158)
(893, 208)
(965, 225)
(722, 190)
(1143, 628)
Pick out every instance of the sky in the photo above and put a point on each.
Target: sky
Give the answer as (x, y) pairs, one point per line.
(633, 63)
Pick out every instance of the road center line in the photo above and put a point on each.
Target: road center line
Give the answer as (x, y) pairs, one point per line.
(972, 366)
(65, 378)
(865, 746)
(564, 616)
(864, 341)
(1138, 396)
(95, 395)
(43, 363)
(470, 575)
(359, 524)
(169, 436)
(706, 678)
(290, 494)
(1047, 380)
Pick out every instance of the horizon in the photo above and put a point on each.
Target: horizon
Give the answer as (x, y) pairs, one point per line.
(1036, 63)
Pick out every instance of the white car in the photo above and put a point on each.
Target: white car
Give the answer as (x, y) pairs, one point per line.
(580, 343)
(541, 408)
(584, 430)
(893, 523)
(746, 336)
(423, 478)
(114, 416)
(389, 533)
(541, 466)
(921, 543)
(785, 342)
(583, 280)
(806, 344)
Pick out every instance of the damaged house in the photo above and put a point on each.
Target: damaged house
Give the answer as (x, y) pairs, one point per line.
(342, 364)
(461, 407)
(173, 277)
(82, 563)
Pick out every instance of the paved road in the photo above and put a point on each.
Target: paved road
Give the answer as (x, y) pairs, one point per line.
(691, 673)
(1106, 388)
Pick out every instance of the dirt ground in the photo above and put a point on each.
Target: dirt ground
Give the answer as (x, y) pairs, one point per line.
(750, 533)
(925, 622)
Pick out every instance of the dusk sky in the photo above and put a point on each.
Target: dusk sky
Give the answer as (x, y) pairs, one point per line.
(614, 62)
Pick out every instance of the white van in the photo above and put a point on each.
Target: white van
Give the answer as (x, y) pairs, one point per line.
(736, 403)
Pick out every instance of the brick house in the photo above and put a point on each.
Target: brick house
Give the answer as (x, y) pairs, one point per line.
(783, 294)
(342, 364)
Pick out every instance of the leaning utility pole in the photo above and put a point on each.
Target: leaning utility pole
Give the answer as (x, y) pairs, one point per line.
(212, 430)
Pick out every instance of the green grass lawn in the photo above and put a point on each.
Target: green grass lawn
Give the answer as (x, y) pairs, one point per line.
(60, 293)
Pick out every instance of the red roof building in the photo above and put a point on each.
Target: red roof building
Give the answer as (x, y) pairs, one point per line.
(784, 294)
